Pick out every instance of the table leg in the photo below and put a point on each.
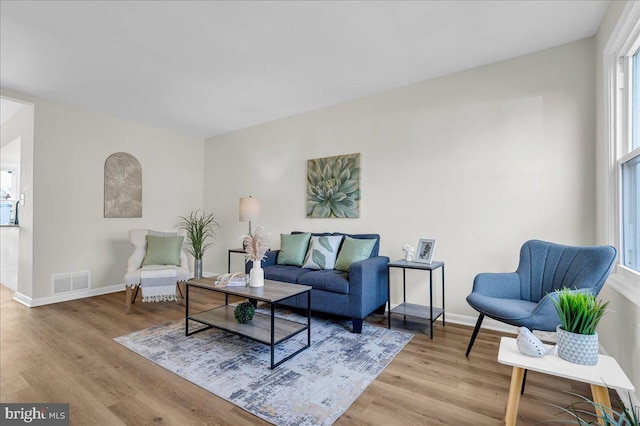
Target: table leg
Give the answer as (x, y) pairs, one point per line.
(601, 397)
(273, 346)
(443, 309)
(389, 296)
(431, 303)
(186, 310)
(404, 289)
(514, 396)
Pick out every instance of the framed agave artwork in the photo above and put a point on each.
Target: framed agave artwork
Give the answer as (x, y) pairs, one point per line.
(333, 187)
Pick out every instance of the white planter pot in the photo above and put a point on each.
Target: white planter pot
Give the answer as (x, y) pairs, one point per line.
(577, 348)
(257, 275)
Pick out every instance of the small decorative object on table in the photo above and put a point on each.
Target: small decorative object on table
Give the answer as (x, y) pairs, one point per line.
(199, 227)
(237, 279)
(579, 314)
(528, 344)
(409, 252)
(244, 312)
(425, 250)
(256, 246)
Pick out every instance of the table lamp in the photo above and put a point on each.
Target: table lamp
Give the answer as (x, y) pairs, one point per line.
(249, 210)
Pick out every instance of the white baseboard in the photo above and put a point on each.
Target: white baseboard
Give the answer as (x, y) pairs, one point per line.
(487, 323)
(41, 301)
(81, 294)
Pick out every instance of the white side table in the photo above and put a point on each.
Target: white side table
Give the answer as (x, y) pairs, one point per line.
(607, 373)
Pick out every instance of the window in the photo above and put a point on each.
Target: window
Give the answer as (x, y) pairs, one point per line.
(630, 171)
(622, 74)
(631, 213)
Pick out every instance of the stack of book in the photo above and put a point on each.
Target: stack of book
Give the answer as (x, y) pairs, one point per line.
(232, 280)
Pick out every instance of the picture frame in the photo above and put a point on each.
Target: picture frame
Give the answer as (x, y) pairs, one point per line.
(425, 249)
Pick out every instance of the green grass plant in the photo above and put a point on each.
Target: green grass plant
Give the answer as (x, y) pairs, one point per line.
(586, 412)
(580, 312)
(199, 227)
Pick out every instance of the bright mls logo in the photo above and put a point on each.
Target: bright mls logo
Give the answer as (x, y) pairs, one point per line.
(54, 414)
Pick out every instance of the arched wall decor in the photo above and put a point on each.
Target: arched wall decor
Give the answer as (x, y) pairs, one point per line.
(122, 186)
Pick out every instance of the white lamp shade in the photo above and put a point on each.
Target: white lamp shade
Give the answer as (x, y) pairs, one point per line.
(249, 209)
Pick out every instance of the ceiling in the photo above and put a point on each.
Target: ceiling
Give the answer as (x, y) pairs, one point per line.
(205, 68)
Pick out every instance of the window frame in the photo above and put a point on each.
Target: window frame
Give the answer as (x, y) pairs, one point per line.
(623, 43)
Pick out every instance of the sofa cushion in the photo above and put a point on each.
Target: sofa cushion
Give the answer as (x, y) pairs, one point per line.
(327, 280)
(284, 273)
(375, 251)
(323, 251)
(293, 248)
(353, 250)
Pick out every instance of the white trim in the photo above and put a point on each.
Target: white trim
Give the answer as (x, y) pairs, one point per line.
(41, 301)
(625, 282)
(623, 38)
(487, 323)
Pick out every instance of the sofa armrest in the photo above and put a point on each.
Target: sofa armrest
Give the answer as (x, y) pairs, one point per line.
(270, 259)
(503, 285)
(368, 285)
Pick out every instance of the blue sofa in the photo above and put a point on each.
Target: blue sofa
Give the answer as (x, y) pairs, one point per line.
(356, 294)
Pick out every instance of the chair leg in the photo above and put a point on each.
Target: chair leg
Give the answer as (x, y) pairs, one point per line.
(179, 286)
(524, 381)
(475, 333)
(130, 297)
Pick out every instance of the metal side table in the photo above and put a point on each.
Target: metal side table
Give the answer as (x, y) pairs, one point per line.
(428, 312)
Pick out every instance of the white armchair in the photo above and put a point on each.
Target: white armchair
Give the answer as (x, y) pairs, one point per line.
(134, 276)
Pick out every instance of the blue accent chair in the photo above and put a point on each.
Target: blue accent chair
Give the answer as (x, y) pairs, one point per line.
(523, 298)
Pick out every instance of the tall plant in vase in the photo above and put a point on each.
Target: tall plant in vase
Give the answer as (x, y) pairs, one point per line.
(200, 227)
(256, 245)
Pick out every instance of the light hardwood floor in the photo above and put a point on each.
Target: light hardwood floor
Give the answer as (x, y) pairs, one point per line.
(65, 353)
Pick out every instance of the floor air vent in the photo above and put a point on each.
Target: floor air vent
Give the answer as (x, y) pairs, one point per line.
(71, 281)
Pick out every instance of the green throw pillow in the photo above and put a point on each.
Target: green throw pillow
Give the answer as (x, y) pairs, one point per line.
(293, 248)
(353, 250)
(322, 252)
(163, 250)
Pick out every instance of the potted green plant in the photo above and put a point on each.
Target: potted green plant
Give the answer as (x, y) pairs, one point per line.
(200, 227)
(589, 412)
(580, 313)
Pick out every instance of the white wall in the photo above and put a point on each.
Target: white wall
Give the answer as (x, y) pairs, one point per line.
(619, 330)
(9, 248)
(481, 160)
(20, 125)
(70, 231)
(11, 133)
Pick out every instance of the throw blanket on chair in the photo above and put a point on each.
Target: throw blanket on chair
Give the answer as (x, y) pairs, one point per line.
(158, 283)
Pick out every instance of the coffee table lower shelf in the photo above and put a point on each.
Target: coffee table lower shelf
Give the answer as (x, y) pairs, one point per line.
(266, 329)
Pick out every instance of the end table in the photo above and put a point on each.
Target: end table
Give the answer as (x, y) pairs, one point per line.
(607, 373)
(233, 250)
(419, 311)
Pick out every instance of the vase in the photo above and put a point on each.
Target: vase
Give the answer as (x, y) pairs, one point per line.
(408, 257)
(197, 269)
(577, 348)
(257, 275)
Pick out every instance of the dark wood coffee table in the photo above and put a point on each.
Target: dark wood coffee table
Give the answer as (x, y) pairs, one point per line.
(266, 329)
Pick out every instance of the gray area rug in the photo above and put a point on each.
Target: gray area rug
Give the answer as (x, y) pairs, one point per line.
(314, 388)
